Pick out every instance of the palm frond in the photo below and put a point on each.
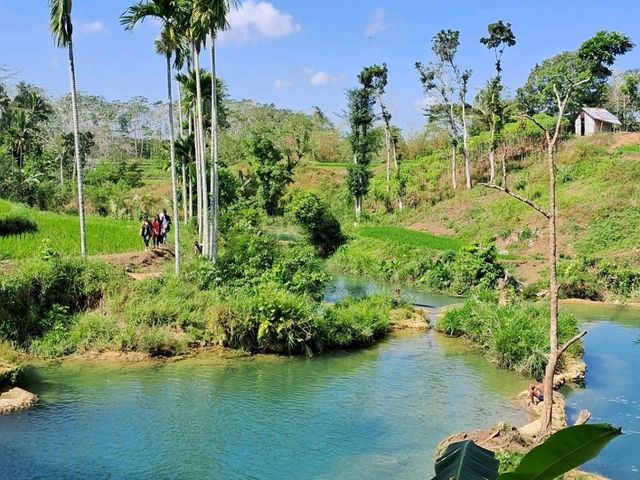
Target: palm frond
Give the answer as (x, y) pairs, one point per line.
(60, 21)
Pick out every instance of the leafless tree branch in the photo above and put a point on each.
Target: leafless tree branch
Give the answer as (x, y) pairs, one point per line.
(516, 196)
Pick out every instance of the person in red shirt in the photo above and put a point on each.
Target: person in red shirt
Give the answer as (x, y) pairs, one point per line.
(156, 231)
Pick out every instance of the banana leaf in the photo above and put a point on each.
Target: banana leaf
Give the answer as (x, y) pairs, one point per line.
(563, 451)
(466, 461)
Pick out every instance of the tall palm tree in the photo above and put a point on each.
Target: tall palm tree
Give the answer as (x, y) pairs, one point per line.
(169, 42)
(62, 30)
(213, 16)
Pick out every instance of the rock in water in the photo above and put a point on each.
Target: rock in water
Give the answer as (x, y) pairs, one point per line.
(16, 399)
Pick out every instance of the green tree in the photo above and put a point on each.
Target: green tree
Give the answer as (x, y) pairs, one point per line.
(442, 80)
(500, 37)
(170, 41)
(272, 171)
(62, 30)
(212, 14)
(588, 68)
(565, 81)
(363, 142)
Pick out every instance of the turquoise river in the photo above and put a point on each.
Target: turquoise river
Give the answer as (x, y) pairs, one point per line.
(372, 413)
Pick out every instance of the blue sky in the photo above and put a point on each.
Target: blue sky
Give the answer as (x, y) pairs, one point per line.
(300, 53)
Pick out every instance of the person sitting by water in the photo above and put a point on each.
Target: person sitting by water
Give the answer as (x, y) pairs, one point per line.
(536, 392)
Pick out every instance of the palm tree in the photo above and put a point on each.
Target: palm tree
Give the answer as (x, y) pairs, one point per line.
(62, 30)
(168, 43)
(213, 16)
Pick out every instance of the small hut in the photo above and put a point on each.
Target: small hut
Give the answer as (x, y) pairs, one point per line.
(591, 121)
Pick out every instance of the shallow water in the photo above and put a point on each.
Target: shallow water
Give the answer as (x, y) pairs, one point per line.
(612, 393)
(373, 413)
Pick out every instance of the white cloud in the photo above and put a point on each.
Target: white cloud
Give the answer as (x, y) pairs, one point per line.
(376, 23)
(255, 21)
(281, 84)
(92, 27)
(319, 78)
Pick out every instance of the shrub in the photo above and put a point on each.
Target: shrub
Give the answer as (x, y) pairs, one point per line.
(299, 271)
(273, 320)
(319, 224)
(471, 267)
(45, 293)
(515, 336)
(16, 225)
(355, 322)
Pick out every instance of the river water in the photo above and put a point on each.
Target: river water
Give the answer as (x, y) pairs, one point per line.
(372, 413)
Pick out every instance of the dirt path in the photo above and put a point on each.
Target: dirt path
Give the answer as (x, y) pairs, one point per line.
(143, 264)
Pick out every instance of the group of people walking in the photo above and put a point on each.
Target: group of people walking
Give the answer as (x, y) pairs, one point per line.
(156, 229)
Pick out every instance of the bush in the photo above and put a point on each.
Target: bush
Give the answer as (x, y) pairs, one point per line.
(272, 320)
(319, 224)
(355, 321)
(299, 271)
(471, 267)
(515, 336)
(16, 225)
(44, 294)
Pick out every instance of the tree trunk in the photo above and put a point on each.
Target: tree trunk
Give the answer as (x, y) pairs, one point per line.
(547, 413)
(185, 208)
(174, 181)
(214, 154)
(492, 155)
(465, 146)
(203, 160)
(358, 208)
(453, 167)
(61, 170)
(76, 150)
(388, 148)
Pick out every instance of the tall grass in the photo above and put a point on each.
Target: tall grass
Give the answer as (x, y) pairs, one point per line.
(515, 336)
(62, 234)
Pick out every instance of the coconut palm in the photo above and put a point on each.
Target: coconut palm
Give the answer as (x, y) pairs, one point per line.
(167, 12)
(213, 14)
(62, 31)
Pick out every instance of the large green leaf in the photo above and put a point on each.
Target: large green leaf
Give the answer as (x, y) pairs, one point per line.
(466, 461)
(563, 451)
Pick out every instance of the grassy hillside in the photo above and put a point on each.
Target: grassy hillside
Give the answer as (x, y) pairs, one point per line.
(598, 201)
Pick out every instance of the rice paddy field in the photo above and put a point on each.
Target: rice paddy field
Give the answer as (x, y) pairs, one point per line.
(62, 234)
(411, 238)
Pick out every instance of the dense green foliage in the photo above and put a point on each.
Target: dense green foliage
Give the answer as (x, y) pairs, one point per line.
(460, 273)
(320, 226)
(43, 294)
(515, 336)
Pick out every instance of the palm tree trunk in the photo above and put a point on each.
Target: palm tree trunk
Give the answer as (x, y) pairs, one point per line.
(453, 167)
(465, 146)
(203, 161)
(214, 153)
(174, 181)
(76, 148)
(185, 208)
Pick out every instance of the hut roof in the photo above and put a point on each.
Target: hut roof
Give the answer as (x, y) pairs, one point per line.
(601, 114)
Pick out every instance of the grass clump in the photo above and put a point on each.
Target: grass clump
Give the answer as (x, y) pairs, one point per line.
(42, 295)
(515, 336)
(16, 225)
